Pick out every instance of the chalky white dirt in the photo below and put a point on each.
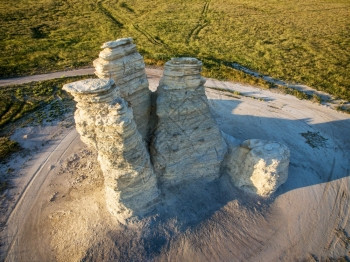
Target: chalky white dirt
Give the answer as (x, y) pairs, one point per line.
(59, 211)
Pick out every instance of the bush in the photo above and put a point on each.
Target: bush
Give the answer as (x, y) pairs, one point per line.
(7, 147)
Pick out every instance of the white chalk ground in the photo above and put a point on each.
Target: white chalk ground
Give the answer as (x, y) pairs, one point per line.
(56, 212)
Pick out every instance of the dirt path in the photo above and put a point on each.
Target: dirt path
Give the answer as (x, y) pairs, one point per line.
(38, 172)
(42, 77)
(151, 72)
(328, 100)
(308, 219)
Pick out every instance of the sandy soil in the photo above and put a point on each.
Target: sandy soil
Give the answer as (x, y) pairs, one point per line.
(56, 210)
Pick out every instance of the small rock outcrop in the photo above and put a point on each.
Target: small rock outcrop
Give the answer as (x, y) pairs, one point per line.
(187, 143)
(120, 61)
(257, 166)
(105, 123)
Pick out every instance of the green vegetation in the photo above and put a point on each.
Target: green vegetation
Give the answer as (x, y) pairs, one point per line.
(31, 103)
(17, 101)
(314, 139)
(299, 94)
(299, 41)
(343, 108)
(7, 147)
(234, 93)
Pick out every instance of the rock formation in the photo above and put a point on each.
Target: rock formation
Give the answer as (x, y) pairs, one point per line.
(257, 166)
(120, 61)
(113, 117)
(187, 143)
(105, 122)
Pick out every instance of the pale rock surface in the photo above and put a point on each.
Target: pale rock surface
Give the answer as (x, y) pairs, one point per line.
(257, 166)
(105, 123)
(120, 61)
(187, 143)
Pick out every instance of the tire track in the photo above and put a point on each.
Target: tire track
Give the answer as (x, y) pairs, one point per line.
(152, 39)
(147, 35)
(6, 109)
(205, 8)
(341, 215)
(9, 116)
(201, 23)
(109, 15)
(195, 32)
(36, 181)
(121, 23)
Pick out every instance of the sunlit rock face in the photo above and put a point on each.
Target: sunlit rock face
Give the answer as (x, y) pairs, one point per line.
(187, 143)
(120, 61)
(113, 117)
(257, 166)
(105, 122)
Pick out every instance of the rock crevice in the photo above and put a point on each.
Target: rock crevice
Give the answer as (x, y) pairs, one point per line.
(120, 61)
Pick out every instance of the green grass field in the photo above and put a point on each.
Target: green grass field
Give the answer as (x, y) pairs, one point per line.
(31, 103)
(299, 41)
(17, 101)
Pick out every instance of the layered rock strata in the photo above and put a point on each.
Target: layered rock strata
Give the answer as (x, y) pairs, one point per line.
(257, 166)
(187, 143)
(120, 61)
(105, 123)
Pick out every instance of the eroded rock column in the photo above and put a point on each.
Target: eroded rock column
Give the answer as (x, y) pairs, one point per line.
(105, 122)
(120, 61)
(187, 142)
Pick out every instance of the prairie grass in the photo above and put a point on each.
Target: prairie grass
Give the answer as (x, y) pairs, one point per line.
(7, 147)
(304, 42)
(31, 103)
(18, 101)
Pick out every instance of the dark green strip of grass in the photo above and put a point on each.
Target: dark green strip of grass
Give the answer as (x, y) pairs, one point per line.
(17, 101)
(7, 147)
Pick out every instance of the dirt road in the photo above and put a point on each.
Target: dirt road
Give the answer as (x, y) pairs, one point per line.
(42, 77)
(327, 99)
(307, 219)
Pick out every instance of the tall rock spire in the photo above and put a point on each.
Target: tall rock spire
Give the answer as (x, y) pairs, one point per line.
(106, 123)
(187, 144)
(120, 61)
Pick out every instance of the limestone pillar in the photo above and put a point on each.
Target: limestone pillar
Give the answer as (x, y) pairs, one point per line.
(120, 61)
(187, 144)
(105, 122)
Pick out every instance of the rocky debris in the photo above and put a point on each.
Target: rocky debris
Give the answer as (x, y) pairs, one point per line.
(120, 61)
(187, 143)
(257, 166)
(105, 122)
